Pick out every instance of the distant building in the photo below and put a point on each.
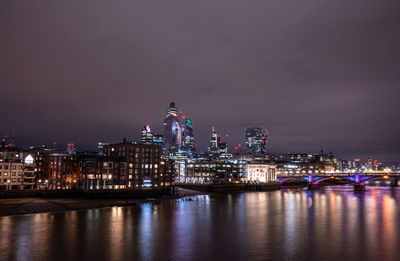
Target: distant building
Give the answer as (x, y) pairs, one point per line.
(256, 140)
(158, 140)
(188, 141)
(217, 148)
(100, 146)
(172, 130)
(214, 141)
(147, 135)
(71, 149)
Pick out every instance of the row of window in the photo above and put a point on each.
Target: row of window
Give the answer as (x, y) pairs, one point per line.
(12, 180)
(12, 167)
(12, 174)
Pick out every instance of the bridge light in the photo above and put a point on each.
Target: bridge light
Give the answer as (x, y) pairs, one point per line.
(332, 177)
(385, 176)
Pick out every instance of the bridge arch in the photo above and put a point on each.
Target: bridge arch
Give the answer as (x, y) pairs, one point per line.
(284, 179)
(368, 178)
(317, 180)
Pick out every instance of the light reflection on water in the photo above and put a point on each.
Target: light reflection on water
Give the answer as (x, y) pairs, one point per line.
(331, 224)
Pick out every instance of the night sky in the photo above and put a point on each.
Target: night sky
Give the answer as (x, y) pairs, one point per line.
(314, 72)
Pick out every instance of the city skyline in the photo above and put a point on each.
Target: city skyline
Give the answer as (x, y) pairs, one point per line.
(334, 83)
(180, 115)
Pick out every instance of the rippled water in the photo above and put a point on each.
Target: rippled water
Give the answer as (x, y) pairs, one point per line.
(331, 224)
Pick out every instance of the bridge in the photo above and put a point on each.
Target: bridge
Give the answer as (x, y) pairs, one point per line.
(358, 179)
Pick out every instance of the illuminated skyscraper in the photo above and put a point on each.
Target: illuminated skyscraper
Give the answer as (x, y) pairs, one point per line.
(215, 139)
(256, 140)
(188, 142)
(217, 148)
(172, 130)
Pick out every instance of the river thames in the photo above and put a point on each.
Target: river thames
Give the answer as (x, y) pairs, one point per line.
(333, 223)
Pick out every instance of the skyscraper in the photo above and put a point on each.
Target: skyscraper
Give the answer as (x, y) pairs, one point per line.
(188, 142)
(217, 148)
(256, 140)
(172, 130)
(215, 139)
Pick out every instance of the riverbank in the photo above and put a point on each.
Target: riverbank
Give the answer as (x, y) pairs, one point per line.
(31, 205)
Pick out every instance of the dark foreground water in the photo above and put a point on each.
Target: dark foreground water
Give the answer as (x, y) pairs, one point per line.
(332, 224)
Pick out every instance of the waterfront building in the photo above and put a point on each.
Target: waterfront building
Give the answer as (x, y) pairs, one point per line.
(304, 163)
(256, 140)
(167, 172)
(209, 171)
(91, 164)
(135, 165)
(59, 170)
(17, 169)
(261, 172)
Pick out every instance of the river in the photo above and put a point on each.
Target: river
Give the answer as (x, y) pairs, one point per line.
(333, 223)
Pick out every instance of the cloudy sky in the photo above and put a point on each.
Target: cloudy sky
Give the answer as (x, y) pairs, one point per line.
(314, 72)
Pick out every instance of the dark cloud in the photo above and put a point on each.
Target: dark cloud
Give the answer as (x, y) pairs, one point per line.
(314, 73)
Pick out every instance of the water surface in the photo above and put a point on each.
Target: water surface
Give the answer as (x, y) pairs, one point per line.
(331, 224)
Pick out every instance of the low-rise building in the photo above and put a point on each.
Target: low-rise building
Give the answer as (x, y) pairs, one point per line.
(210, 171)
(60, 171)
(17, 169)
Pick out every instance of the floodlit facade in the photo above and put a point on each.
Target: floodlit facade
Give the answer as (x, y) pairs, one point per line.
(261, 172)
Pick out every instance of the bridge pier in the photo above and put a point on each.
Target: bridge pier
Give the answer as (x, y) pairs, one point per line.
(312, 186)
(359, 187)
(394, 182)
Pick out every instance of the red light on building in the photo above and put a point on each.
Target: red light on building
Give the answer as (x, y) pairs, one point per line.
(240, 145)
(236, 148)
